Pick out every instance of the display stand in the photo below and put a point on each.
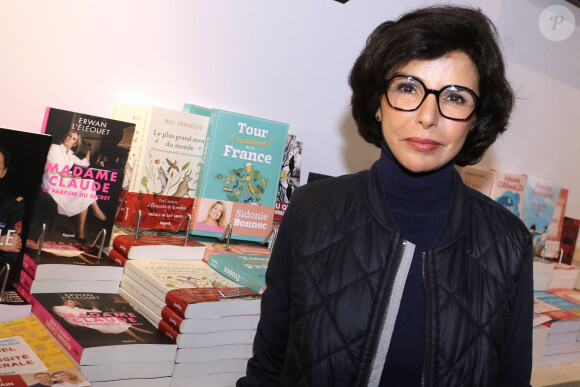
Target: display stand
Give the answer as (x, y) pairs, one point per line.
(102, 236)
(227, 235)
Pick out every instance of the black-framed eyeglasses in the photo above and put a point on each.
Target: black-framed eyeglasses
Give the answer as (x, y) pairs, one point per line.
(407, 93)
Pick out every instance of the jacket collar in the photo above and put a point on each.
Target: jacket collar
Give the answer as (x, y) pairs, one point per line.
(454, 224)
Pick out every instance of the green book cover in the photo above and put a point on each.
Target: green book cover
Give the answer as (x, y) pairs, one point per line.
(239, 175)
(248, 270)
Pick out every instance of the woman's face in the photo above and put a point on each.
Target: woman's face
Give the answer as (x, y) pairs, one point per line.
(69, 303)
(216, 211)
(71, 140)
(423, 140)
(61, 377)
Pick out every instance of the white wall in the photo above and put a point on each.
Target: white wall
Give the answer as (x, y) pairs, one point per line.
(284, 60)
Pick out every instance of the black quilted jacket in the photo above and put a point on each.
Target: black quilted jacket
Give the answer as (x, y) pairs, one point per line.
(331, 276)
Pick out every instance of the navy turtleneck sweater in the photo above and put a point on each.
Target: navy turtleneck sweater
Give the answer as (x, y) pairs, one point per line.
(419, 204)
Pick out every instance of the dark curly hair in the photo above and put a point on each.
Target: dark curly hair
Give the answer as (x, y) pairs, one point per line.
(426, 34)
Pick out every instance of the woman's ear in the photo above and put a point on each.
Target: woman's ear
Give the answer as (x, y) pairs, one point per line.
(378, 115)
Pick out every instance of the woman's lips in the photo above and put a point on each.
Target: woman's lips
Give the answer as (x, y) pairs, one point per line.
(422, 144)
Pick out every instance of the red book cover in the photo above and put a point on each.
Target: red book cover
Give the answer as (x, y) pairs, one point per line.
(181, 299)
(158, 247)
(117, 257)
(570, 229)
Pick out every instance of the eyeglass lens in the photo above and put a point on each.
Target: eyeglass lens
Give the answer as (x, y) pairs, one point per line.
(408, 93)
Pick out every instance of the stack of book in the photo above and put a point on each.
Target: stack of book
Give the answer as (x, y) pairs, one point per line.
(542, 273)
(211, 319)
(108, 340)
(562, 344)
(70, 267)
(152, 244)
(45, 363)
(13, 305)
(74, 214)
(563, 277)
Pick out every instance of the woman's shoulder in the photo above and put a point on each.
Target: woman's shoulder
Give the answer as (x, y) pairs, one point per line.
(332, 186)
(484, 207)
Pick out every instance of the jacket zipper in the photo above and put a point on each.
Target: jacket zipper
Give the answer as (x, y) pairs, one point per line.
(426, 356)
(403, 253)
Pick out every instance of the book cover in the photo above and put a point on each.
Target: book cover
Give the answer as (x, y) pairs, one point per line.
(158, 247)
(12, 305)
(509, 189)
(97, 328)
(83, 176)
(68, 261)
(570, 230)
(57, 366)
(554, 236)
(117, 257)
(188, 287)
(568, 304)
(168, 156)
(538, 208)
(18, 357)
(289, 175)
(212, 246)
(479, 179)
(22, 159)
(245, 269)
(134, 114)
(239, 175)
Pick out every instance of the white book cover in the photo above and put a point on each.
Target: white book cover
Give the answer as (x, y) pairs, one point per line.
(18, 358)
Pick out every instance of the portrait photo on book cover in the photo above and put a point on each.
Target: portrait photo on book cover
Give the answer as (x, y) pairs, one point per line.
(20, 175)
(83, 175)
(64, 377)
(213, 215)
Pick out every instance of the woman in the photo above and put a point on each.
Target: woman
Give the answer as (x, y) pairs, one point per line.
(215, 220)
(68, 379)
(402, 275)
(79, 194)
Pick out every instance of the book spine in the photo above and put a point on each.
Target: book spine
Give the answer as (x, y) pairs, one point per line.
(167, 330)
(68, 343)
(117, 257)
(176, 303)
(45, 120)
(208, 145)
(172, 318)
(147, 281)
(232, 273)
(23, 293)
(121, 246)
(25, 282)
(139, 160)
(29, 265)
(142, 295)
(151, 316)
